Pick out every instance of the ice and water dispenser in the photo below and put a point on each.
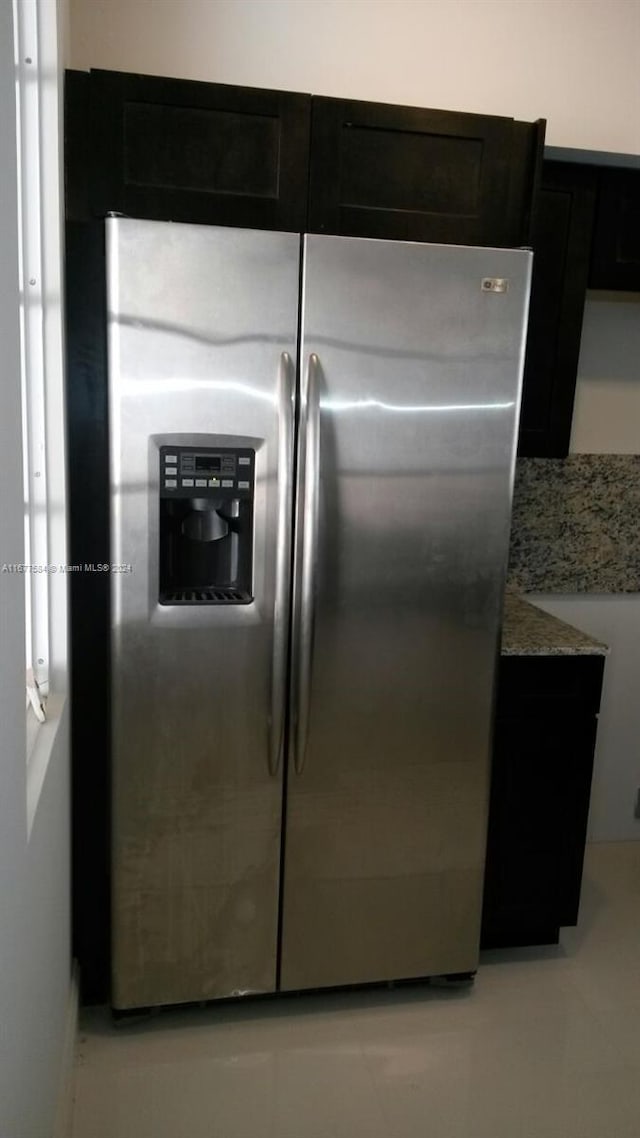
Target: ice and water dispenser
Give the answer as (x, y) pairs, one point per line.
(206, 525)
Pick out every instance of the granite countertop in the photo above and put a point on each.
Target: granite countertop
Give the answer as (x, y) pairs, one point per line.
(575, 524)
(528, 631)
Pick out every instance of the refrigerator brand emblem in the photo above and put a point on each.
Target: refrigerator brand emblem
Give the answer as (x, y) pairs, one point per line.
(494, 284)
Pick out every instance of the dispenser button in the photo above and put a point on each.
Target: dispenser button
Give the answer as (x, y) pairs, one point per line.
(244, 485)
(201, 482)
(187, 481)
(170, 483)
(228, 482)
(215, 482)
(170, 458)
(171, 469)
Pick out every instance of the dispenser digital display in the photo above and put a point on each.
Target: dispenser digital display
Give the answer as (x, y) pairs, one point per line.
(214, 463)
(209, 464)
(206, 525)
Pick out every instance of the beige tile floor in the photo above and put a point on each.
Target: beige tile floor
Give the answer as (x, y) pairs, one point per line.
(545, 1045)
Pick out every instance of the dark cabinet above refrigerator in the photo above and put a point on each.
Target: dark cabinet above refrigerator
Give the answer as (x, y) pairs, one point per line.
(412, 174)
(178, 150)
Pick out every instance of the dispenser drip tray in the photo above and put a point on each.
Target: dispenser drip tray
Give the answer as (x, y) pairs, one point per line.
(199, 596)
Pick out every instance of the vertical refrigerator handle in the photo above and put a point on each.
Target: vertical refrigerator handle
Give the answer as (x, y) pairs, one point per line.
(307, 541)
(285, 409)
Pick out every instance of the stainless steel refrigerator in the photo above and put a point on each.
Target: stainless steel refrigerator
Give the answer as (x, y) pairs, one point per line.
(312, 449)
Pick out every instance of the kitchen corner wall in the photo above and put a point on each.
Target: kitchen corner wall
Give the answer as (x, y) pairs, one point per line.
(571, 61)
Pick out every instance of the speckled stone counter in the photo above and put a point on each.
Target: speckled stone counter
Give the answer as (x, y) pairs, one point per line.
(528, 631)
(576, 524)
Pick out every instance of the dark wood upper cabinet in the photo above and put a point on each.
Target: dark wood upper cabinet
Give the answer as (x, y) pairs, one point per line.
(615, 258)
(407, 173)
(206, 153)
(562, 228)
(174, 149)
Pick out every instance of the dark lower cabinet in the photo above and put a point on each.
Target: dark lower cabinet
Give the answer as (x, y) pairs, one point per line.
(408, 173)
(541, 781)
(615, 259)
(562, 230)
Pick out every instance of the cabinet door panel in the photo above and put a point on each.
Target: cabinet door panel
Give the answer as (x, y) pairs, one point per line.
(554, 686)
(616, 244)
(561, 242)
(540, 789)
(522, 890)
(421, 175)
(203, 152)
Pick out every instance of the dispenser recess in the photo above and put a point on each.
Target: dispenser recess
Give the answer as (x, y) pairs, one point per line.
(206, 525)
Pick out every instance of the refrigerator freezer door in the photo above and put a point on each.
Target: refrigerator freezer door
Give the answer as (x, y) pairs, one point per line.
(411, 357)
(202, 341)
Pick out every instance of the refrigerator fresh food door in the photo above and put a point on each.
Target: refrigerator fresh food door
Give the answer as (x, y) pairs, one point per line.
(202, 341)
(411, 361)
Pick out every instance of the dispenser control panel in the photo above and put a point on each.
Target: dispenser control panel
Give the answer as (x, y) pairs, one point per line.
(202, 472)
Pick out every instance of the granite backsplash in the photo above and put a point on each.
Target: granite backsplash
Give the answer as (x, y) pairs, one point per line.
(576, 524)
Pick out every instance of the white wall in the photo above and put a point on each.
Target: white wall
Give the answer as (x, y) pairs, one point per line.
(574, 62)
(606, 415)
(34, 864)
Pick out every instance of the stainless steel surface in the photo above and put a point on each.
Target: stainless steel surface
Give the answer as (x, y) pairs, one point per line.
(306, 553)
(420, 382)
(405, 463)
(283, 559)
(198, 320)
